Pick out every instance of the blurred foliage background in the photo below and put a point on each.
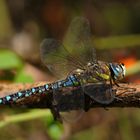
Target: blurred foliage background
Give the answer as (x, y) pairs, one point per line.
(116, 36)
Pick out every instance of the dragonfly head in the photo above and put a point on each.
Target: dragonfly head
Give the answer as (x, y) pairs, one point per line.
(117, 70)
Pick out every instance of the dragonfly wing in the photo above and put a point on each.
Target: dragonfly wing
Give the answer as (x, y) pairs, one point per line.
(101, 92)
(56, 57)
(76, 52)
(78, 40)
(70, 103)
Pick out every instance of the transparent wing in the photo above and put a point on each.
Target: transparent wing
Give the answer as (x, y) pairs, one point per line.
(101, 93)
(56, 57)
(61, 62)
(78, 40)
(70, 103)
(75, 53)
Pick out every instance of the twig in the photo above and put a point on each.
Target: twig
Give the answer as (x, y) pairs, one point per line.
(127, 95)
(68, 99)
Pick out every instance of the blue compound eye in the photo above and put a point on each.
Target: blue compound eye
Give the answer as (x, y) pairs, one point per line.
(118, 70)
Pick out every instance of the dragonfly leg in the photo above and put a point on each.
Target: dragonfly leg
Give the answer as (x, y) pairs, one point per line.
(113, 90)
(115, 83)
(117, 96)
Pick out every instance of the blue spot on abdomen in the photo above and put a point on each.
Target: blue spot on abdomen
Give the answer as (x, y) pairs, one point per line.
(33, 90)
(19, 94)
(0, 101)
(8, 98)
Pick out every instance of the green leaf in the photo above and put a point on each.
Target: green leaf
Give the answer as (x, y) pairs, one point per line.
(9, 60)
(23, 77)
(55, 131)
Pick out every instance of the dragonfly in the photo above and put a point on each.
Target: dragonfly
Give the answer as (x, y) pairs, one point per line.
(75, 65)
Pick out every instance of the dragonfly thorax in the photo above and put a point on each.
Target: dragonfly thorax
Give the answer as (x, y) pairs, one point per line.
(90, 73)
(85, 71)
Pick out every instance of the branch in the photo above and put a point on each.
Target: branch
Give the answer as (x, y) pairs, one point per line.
(68, 99)
(127, 95)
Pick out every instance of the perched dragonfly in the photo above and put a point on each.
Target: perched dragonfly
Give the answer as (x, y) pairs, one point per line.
(76, 64)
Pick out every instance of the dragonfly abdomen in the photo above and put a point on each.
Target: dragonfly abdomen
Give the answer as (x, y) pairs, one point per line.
(25, 93)
(45, 89)
(70, 81)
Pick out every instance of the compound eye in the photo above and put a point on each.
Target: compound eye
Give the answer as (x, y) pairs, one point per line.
(118, 68)
(123, 69)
